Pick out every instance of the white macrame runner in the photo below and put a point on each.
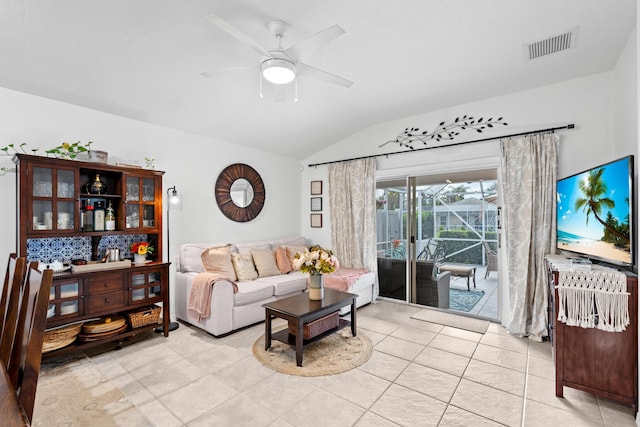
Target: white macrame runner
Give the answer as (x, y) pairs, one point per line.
(593, 299)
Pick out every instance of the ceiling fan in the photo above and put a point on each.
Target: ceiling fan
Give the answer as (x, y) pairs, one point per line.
(282, 66)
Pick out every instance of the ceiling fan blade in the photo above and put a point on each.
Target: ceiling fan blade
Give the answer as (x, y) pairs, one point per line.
(312, 43)
(233, 31)
(220, 71)
(323, 75)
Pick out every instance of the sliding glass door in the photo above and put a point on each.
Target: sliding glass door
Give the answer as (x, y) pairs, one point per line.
(437, 237)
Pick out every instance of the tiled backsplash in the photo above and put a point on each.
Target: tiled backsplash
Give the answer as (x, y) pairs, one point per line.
(49, 249)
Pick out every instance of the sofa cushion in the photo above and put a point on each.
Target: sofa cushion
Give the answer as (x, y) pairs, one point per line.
(289, 241)
(282, 259)
(286, 283)
(217, 260)
(247, 247)
(291, 253)
(251, 292)
(265, 261)
(189, 258)
(243, 264)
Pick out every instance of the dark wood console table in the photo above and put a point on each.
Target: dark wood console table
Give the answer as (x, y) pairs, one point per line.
(592, 360)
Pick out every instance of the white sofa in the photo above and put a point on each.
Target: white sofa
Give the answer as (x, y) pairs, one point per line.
(231, 311)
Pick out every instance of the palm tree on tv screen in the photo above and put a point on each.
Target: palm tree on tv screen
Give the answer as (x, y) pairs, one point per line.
(595, 190)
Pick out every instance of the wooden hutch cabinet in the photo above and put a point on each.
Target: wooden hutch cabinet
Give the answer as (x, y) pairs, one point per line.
(52, 195)
(596, 361)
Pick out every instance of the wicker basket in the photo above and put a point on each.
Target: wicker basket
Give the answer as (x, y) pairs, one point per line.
(144, 317)
(317, 327)
(60, 337)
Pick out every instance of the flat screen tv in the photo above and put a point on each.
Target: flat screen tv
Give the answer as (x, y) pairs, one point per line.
(595, 215)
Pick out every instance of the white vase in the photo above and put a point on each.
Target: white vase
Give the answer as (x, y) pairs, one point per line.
(316, 287)
(139, 259)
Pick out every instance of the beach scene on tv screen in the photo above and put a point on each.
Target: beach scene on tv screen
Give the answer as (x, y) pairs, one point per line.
(593, 212)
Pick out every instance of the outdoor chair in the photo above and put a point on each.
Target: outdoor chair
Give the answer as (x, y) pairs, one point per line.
(492, 259)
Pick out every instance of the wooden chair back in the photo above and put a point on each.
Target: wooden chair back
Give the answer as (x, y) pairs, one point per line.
(8, 279)
(24, 365)
(10, 304)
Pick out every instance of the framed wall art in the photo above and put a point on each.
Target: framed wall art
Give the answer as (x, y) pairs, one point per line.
(316, 204)
(316, 220)
(316, 188)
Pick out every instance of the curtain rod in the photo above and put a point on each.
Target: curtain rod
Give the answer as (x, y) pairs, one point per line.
(569, 126)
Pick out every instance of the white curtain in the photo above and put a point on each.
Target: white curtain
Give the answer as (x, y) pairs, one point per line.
(529, 169)
(352, 188)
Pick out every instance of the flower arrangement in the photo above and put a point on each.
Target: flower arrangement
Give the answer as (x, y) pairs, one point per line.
(142, 248)
(315, 260)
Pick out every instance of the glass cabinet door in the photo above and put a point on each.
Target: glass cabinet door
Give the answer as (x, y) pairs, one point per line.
(140, 196)
(133, 189)
(132, 197)
(145, 285)
(42, 210)
(65, 299)
(148, 198)
(53, 202)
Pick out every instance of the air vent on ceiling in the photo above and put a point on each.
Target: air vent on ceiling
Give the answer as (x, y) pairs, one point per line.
(550, 45)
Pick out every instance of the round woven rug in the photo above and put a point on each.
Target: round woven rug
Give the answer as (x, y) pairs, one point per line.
(332, 354)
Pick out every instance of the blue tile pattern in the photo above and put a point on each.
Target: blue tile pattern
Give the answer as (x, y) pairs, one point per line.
(122, 242)
(49, 249)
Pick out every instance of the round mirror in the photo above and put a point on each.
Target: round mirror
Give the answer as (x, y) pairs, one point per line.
(240, 192)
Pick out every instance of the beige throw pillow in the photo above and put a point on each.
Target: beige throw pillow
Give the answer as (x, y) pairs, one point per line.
(265, 261)
(282, 259)
(292, 251)
(243, 264)
(217, 260)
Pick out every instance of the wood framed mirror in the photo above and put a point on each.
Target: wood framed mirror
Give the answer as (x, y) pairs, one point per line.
(240, 192)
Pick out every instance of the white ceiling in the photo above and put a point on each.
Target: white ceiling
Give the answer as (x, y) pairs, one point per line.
(142, 59)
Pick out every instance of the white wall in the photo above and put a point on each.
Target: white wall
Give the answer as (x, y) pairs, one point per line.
(192, 164)
(587, 102)
(603, 108)
(625, 79)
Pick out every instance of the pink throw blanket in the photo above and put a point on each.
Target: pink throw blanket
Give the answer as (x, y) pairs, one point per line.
(343, 278)
(199, 305)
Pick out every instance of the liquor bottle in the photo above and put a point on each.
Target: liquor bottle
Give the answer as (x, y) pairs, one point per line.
(98, 216)
(83, 209)
(88, 217)
(110, 218)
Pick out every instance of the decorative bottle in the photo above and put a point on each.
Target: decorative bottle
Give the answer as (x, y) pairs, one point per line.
(98, 216)
(83, 208)
(97, 186)
(88, 217)
(110, 218)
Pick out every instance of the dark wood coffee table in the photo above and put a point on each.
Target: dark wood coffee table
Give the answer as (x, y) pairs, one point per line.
(299, 309)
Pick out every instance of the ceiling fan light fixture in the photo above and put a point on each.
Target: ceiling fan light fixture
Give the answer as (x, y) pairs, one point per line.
(278, 71)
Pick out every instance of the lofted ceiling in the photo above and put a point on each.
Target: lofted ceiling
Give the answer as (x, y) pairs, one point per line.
(143, 59)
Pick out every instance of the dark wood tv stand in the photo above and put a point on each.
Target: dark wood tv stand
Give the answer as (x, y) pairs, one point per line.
(598, 362)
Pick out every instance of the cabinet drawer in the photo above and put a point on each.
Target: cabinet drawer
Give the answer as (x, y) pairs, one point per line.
(112, 301)
(105, 283)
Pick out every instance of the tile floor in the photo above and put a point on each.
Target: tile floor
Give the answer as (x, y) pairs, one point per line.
(420, 374)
